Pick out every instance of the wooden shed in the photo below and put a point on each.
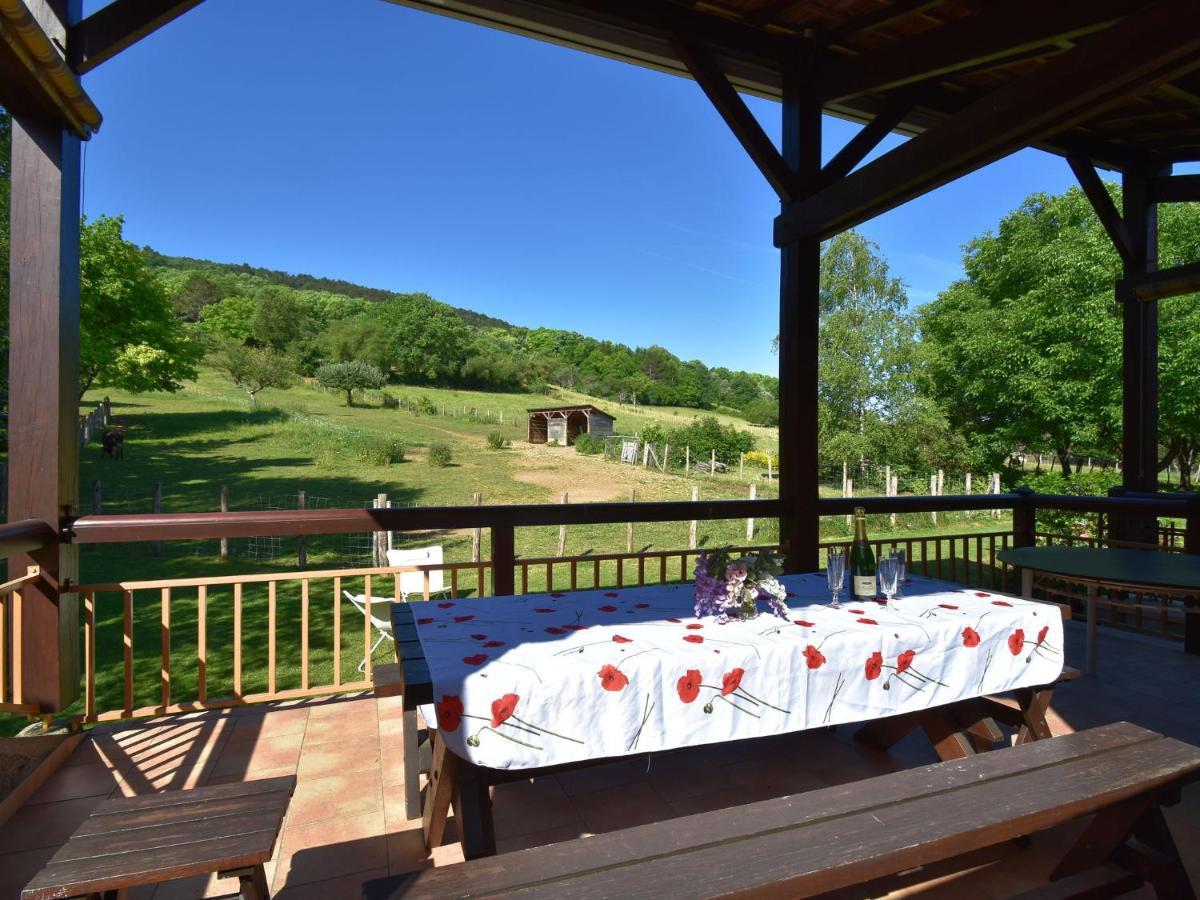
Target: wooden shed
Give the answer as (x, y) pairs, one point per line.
(562, 424)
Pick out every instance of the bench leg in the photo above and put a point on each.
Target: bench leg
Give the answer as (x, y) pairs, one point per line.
(1106, 832)
(443, 775)
(1034, 704)
(412, 767)
(252, 882)
(948, 739)
(473, 812)
(1092, 591)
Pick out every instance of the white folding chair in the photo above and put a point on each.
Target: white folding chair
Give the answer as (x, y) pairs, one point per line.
(383, 627)
(413, 583)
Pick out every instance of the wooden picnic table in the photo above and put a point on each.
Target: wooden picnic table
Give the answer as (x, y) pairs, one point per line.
(1097, 567)
(956, 730)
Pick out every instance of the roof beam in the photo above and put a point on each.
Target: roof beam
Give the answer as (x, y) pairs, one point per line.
(1160, 284)
(113, 28)
(1152, 46)
(1175, 189)
(737, 116)
(867, 139)
(1106, 210)
(1009, 29)
(885, 15)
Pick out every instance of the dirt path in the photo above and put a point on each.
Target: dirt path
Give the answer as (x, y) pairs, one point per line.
(589, 479)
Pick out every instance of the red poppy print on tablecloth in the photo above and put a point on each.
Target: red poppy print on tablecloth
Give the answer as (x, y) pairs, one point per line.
(947, 606)
(1015, 641)
(553, 630)
(425, 621)
(813, 657)
(857, 612)
(982, 594)
(544, 609)
(1000, 602)
(612, 678)
(576, 627)
(1041, 638)
(689, 686)
(695, 626)
(611, 594)
(904, 660)
(676, 621)
(607, 608)
(731, 681)
(970, 637)
(874, 665)
(479, 637)
(446, 605)
(494, 644)
(449, 712)
(641, 606)
(503, 708)
(619, 639)
(476, 660)
(804, 624)
(558, 596)
(461, 619)
(866, 621)
(694, 638)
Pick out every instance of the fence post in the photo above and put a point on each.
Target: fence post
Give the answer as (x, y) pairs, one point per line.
(476, 533)
(848, 491)
(645, 454)
(504, 560)
(996, 490)
(1024, 519)
(96, 505)
(692, 524)
(933, 493)
(223, 550)
(302, 542)
(768, 465)
(562, 530)
(894, 491)
(687, 459)
(666, 455)
(380, 537)
(629, 525)
(157, 509)
(107, 410)
(741, 465)
(845, 475)
(712, 465)
(750, 520)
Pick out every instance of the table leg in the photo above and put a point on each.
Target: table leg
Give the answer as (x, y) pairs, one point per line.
(1034, 704)
(252, 882)
(443, 773)
(1092, 591)
(948, 739)
(881, 734)
(1027, 583)
(473, 811)
(412, 767)
(1191, 627)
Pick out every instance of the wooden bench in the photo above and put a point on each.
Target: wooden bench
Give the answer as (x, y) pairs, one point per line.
(872, 830)
(229, 829)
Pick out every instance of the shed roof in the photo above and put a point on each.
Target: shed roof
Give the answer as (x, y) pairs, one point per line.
(573, 407)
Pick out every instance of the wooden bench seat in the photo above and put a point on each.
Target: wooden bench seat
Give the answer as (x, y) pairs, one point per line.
(851, 834)
(130, 841)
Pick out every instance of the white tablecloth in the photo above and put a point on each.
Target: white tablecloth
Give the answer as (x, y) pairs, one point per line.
(521, 682)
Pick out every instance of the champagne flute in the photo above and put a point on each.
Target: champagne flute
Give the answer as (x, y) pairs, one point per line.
(902, 559)
(889, 572)
(835, 573)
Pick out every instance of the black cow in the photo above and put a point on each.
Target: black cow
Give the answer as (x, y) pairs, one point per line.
(114, 444)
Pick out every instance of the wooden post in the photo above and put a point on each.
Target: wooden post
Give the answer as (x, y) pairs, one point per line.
(301, 543)
(666, 455)
(933, 493)
(379, 542)
(845, 475)
(741, 465)
(712, 465)
(157, 510)
(894, 491)
(504, 557)
(223, 552)
(848, 491)
(687, 459)
(476, 534)
(750, 520)
(967, 490)
(768, 466)
(887, 481)
(629, 525)
(692, 524)
(941, 482)
(645, 454)
(97, 508)
(996, 490)
(562, 530)
(43, 417)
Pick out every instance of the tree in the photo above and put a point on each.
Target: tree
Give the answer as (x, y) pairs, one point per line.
(191, 299)
(232, 318)
(419, 339)
(350, 377)
(131, 337)
(253, 369)
(279, 319)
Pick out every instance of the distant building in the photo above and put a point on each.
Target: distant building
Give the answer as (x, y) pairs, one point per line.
(562, 424)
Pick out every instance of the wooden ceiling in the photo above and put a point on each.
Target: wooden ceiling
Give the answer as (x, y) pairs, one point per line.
(934, 56)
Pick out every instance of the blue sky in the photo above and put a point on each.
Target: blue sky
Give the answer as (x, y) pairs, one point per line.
(414, 152)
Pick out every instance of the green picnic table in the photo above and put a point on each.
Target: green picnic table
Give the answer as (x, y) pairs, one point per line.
(1095, 567)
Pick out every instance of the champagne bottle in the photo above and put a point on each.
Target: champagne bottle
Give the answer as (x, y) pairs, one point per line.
(862, 559)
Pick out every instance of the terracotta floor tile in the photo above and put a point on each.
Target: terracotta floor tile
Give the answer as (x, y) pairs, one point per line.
(331, 848)
(199, 886)
(598, 778)
(256, 775)
(323, 760)
(391, 760)
(44, 824)
(406, 851)
(393, 810)
(677, 776)
(73, 782)
(269, 726)
(389, 728)
(343, 728)
(763, 778)
(352, 794)
(246, 756)
(621, 807)
(18, 868)
(525, 806)
(347, 887)
(539, 838)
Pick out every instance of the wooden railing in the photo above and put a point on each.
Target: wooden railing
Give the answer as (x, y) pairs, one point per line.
(11, 663)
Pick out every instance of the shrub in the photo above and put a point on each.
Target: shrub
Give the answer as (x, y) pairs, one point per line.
(389, 401)
(589, 445)
(496, 441)
(759, 458)
(1058, 521)
(440, 455)
(332, 445)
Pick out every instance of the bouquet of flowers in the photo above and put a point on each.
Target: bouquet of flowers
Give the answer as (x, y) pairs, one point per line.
(730, 588)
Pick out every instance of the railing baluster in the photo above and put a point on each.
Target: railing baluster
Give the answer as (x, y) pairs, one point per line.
(367, 629)
(954, 565)
(524, 578)
(574, 575)
(937, 549)
(237, 640)
(89, 652)
(304, 634)
(166, 646)
(424, 585)
(271, 620)
(202, 643)
(453, 583)
(596, 574)
(662, 568)
(620, 572)
(337, 631)
(641, 570)
(18, 668)
(549, 576)
(4, 639)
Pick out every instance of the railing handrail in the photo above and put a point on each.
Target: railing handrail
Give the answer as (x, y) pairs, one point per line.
(25, 536)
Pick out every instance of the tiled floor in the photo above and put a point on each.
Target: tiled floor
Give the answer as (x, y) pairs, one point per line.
(346, 823)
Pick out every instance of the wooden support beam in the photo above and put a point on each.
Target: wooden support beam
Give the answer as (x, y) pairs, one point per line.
(113, 28)
(1174, 189)
(1160, 284)
(885, 15)
(799, 325)
(44, 394)
(732, 108)
(1151, 47)
(1102, 203)
(1006, 30)
(867, 139)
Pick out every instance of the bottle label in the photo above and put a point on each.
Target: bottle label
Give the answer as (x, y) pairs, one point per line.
(864, 586)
